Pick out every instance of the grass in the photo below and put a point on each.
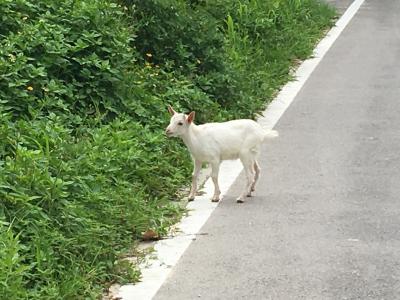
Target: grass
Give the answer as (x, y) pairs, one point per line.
(85, 168)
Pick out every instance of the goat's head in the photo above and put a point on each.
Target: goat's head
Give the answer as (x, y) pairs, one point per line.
(179, 123)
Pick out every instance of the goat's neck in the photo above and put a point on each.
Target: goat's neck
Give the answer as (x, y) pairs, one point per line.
(190, 138)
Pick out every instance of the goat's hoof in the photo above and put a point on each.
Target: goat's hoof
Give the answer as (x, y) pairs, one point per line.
(248, 195)
(191, 198)
(239, 200)
(215, 200)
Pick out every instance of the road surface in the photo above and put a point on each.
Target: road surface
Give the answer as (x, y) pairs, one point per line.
(325, 220)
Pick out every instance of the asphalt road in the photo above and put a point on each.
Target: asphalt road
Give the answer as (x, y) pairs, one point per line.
(325, 221)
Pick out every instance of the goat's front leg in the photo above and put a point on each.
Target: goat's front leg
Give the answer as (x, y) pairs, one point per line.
(214, 176)
(195, 175)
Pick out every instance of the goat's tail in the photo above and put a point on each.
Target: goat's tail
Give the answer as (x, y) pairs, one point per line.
(270, 134)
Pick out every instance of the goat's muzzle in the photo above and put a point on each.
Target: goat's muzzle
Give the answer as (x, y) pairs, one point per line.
(168, 132)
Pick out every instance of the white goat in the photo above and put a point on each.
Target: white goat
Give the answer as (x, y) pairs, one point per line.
(214, 142)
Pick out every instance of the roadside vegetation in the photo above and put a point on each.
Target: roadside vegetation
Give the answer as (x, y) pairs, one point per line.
(85, 168)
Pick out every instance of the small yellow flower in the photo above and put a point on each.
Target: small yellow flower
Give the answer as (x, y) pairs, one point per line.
(198, 61)
(25, 18)
(11, 57)
(29, 88)
(149, 55)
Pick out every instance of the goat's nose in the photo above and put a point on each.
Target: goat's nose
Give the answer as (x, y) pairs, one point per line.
(167, 131)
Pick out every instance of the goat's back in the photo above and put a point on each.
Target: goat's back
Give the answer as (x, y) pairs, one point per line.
(231, 138)
(235, 127)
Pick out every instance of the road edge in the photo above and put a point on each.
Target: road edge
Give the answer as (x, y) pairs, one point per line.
(168, 252)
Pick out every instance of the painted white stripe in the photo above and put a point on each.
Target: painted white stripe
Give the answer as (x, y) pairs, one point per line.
(288, 93)
(168, 252)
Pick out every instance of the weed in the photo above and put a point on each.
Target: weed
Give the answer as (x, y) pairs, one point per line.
(85, 168)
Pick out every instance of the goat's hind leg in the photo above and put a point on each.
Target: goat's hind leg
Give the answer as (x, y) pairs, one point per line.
(248, 166)
(257, 170)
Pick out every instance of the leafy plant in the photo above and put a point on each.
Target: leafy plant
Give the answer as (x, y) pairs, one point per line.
(85, 168)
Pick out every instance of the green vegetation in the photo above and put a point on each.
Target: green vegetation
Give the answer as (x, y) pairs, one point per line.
(84, 165)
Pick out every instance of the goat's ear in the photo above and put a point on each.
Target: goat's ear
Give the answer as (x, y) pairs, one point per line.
(190, 117)
(171, 110)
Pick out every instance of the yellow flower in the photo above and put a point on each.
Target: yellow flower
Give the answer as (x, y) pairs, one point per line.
(11, 57)
(29, 88)
(198, 61)
(149, 55)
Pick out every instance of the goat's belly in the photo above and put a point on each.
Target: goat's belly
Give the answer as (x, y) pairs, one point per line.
(229, 156)
(209, 158)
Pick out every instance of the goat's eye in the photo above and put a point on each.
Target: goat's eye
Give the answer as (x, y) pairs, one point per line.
(180, 123)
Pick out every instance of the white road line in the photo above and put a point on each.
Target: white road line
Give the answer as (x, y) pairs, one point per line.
(286, 96)
(169, 251)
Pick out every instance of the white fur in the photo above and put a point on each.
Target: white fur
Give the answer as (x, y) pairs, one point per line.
(215, 142)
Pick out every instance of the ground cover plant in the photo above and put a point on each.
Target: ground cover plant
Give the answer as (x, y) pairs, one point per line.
(85, 167)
